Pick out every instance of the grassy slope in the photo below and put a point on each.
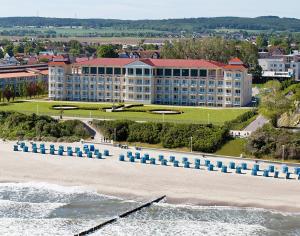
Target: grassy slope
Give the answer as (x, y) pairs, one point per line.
(234, 148)
(190, 115)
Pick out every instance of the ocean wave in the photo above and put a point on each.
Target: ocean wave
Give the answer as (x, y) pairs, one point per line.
(180, 227)
(37, 192)
(42, 227)
(11, 209)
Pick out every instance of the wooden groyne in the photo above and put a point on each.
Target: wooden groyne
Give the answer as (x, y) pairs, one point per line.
(124, 215)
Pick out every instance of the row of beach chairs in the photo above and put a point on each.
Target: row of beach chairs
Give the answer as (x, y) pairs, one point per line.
(270, 171)
(88, 151)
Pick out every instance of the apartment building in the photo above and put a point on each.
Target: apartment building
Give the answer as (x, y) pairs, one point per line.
(152, 81)
(281, 66)
(17, 75)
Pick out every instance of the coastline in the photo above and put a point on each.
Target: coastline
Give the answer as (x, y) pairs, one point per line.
(134, 181)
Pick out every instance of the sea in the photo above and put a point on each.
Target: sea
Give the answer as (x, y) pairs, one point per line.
(48, 209)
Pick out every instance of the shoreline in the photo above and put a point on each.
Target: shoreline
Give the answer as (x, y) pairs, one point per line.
(134, 181)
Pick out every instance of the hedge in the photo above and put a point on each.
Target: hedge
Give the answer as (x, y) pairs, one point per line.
(206, 138)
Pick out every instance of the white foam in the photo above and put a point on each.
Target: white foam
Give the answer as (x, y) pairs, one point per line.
(42, 227)
(11, 209)
(182, 228)
(54, 193)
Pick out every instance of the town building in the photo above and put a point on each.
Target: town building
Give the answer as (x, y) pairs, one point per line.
(281, 66)
(18, 75)
(152, 81)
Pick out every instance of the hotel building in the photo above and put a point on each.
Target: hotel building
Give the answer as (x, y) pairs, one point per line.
(152, 81)
(18, 75)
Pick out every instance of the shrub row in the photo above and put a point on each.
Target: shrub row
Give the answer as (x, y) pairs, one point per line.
(15, 125)
(206, 138)
(269, 142)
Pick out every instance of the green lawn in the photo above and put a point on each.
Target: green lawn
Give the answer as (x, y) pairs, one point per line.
(233, 148)
(190, 115)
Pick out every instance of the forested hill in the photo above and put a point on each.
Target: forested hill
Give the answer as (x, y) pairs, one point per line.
(170, 25)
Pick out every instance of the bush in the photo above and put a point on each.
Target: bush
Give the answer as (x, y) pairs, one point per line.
(268, 142)
(206, 138)
(18, 126)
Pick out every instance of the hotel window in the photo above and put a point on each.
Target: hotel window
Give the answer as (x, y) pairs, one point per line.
(123, 71)
(220, 90)
(228, 91)
(194, 82)
(168, 72)
(211, 90)
(238, 75)
(160, 72)
(228, 74)
(237, 84)
(185, 72)
(203, 73)
(93, 70)
(117, 71)
(220, 98)
(194, 73)
(211, 83)
(109, 70)
(147, 81)
(202, 82)
(228, 83)
(85, 70)
(220, 83)
(202, 90)
(147, 72)
(139, 71)
(101, 70)
(212, 73)
(237, 91)
(176, 72)
(130, 71)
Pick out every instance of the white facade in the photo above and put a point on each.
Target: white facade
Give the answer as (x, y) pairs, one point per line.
(281, 66)
(151, 82)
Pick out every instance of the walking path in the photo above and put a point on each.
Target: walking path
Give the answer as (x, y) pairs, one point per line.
(259, 122)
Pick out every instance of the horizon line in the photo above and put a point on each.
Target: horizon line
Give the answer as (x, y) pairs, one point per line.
(154, 19)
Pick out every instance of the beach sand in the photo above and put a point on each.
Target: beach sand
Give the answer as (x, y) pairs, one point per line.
(145, 182)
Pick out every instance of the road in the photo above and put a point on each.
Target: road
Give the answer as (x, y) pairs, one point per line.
(259, 122)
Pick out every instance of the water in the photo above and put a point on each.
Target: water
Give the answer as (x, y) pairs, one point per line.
(45, 209)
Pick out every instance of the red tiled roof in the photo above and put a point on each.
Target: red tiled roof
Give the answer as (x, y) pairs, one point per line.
(58, 63)
(44, 72)
(182, 63)
(236, 61)
(178, 63)
(16, 75)
(107, 62)
(234, 67)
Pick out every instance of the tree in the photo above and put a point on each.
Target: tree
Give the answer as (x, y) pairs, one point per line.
(261, 41)
(74, 52)
(1, 54)
(18, 49)
(9, 49)
(106, 51)
(8, 93)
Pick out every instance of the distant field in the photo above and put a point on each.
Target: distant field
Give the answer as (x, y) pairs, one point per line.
(81, 32)
(190, 115)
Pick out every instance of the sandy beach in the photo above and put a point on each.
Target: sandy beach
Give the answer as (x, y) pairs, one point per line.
(137, 181)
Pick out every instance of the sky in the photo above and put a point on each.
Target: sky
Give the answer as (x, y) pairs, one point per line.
(149, 9)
